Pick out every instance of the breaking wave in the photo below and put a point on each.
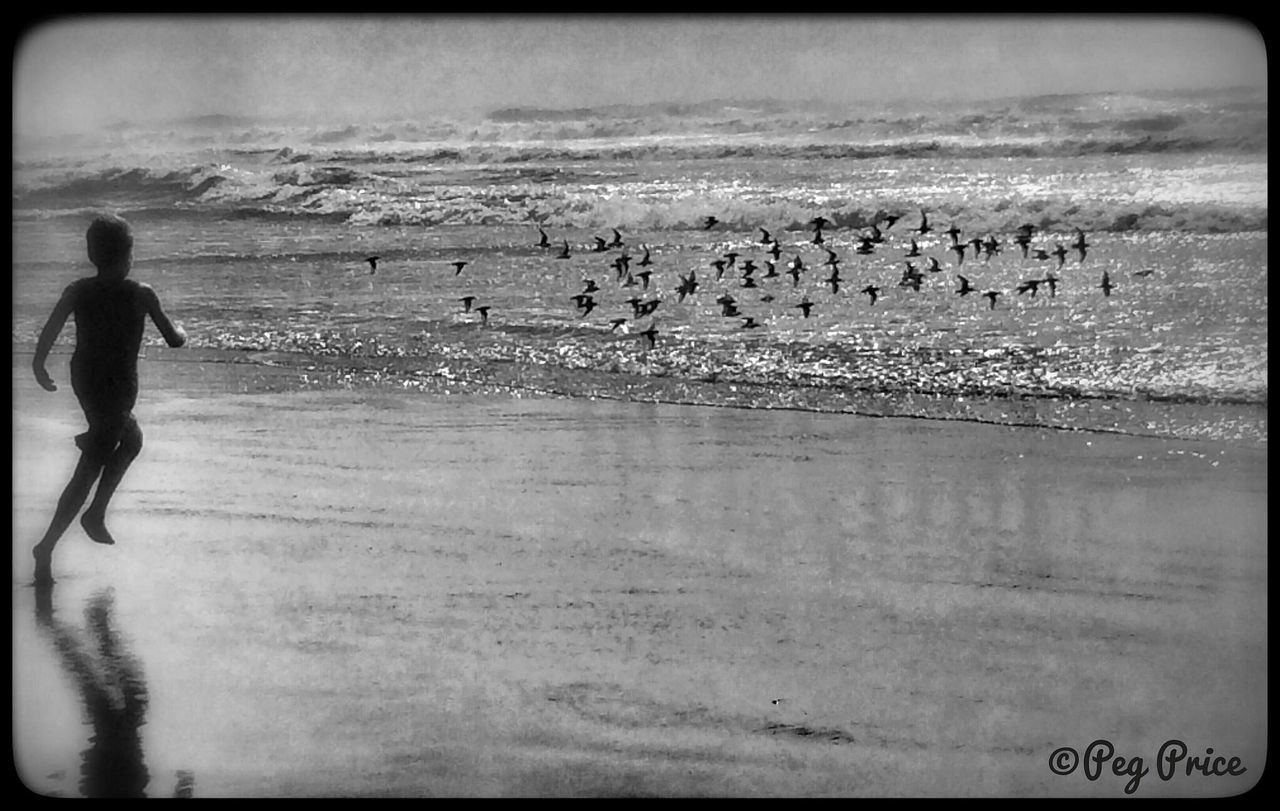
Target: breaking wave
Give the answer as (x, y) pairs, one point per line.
(669, 165)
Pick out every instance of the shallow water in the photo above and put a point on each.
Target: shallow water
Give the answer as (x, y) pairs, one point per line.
(1193, 331)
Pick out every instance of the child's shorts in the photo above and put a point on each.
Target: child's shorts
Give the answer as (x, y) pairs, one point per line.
(107, 398)
(104, 435)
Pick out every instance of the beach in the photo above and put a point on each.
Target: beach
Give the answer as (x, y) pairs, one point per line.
(374, 591)
(657, 420)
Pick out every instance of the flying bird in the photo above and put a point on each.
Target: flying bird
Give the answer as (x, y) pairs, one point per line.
(466, 303)
(710, 222)
(873, 292)
(688, 284)
(373, 264)
(965, 287)
(544, 242)
(992, 295)
(458, 266)
(1061, 253)
(1080, 245)
(924, 223)
(484, 314)
(1023, 241)
(804, 307)
(585, 303)
(564, 252)
(647, 308)
(1030, 286)
(1106, 284)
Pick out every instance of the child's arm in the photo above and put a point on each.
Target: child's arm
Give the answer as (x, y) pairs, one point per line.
(173, 334)
(48, 335)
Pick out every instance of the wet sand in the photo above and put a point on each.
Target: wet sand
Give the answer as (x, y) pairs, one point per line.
(375, 592)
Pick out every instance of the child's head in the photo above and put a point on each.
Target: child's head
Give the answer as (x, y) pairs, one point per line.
(110, 245)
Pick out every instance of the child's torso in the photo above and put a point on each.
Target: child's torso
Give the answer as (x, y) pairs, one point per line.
(110, 318)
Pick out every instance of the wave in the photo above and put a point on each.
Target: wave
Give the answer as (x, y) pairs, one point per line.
(1235, 119)
(668, 165)
(1147, 136)
(616, 196)
(713, 108)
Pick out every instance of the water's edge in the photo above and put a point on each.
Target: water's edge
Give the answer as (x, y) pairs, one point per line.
(207, 369)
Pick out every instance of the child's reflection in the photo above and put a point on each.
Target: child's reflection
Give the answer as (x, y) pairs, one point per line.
(110, 681)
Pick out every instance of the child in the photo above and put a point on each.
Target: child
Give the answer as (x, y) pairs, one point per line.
(110, 312)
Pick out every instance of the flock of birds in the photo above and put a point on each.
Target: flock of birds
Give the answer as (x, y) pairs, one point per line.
(762, 273)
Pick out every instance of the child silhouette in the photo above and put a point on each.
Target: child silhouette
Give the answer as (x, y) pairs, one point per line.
(110, 313)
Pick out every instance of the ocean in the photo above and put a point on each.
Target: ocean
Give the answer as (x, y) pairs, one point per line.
(256, 233)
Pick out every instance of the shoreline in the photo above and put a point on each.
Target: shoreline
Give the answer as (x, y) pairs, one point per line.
(371, 592)
(1243, 424)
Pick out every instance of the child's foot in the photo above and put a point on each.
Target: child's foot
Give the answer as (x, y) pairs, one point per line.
(44, 572)
(95, 527)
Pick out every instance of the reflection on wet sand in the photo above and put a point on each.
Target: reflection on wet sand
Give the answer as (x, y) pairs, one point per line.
(591, 599)
(111, 684)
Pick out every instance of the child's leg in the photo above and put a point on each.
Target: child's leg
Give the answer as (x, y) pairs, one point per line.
(94, 519)
(73, 497)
